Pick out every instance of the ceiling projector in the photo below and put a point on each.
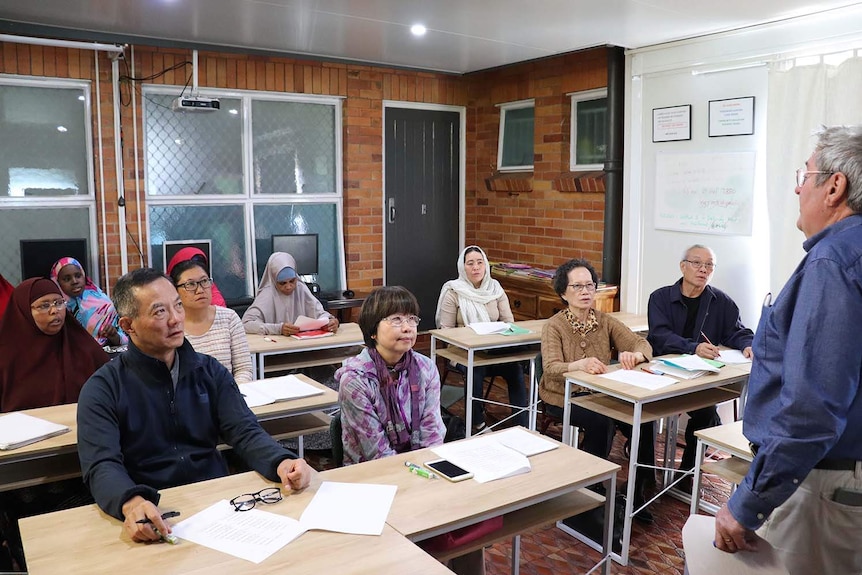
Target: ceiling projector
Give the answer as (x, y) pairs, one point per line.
(195, 104)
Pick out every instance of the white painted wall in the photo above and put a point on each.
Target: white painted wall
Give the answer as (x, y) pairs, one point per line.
(661, 76)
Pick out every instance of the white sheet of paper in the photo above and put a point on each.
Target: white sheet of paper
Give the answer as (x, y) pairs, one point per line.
(691, 363)
(307, 323)
(732, 356)
(639, 378)
(489, 327)
(251, 535)
(276, 389)
(359, 508)
(20, 429)
(524, 442)
(485, 457)
(702, 558)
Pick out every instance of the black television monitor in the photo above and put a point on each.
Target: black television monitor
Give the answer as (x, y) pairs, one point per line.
(37, 256)
(303, 248)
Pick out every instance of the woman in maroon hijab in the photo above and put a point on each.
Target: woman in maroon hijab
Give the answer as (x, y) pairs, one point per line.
(47, 355)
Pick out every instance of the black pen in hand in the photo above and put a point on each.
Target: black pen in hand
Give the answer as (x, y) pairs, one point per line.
(168, 538)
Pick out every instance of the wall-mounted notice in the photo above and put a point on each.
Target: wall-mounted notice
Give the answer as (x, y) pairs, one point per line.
(671, 124)
(732, 117)
(705, 193)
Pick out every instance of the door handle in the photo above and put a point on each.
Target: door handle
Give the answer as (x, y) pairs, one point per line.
(391, 211)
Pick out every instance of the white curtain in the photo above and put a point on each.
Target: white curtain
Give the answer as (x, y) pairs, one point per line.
(801, 100)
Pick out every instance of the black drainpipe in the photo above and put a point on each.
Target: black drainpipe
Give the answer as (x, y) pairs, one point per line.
(613, 237)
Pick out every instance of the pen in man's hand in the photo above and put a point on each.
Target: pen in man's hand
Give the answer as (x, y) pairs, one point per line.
(706, 338)
(169, 538)
(165, 515)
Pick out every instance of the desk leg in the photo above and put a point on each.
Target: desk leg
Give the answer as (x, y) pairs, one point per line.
(630, 488)
(534, 395)
(567, 414)
(607, 536)
(695, 482)
(468, 394)
(516, 555)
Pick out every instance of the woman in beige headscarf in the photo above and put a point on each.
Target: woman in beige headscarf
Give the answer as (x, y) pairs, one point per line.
(281, 298)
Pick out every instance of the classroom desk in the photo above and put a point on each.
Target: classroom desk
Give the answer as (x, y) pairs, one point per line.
(56, 458)
(635, 405)
(85, 540)
(552, 489)
(727, 438)
(634, 321)
(299, 353)
(470, 349)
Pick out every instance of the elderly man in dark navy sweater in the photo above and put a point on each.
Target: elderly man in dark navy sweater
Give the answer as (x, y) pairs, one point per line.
(152, 418)
(693, 317)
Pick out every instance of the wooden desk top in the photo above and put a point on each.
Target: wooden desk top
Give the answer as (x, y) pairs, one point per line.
(466, 338)
(348, 334)
(728, 374)
(427, 507)
(84, 540)
(728, 438)
(329, 398)
(634, 321)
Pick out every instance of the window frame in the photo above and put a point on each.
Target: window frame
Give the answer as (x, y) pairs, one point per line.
(504, 108)
(248, 199)
(575, 98)
(86, 201)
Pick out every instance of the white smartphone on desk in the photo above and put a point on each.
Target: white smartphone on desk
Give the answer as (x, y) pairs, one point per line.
(448, 470)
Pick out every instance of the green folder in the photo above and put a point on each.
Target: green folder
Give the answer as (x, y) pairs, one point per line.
(515, 330)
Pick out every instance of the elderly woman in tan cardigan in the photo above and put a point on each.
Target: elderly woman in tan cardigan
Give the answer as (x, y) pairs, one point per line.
(579, 338)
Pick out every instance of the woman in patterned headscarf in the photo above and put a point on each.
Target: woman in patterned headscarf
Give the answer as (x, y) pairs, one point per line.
(87, 303)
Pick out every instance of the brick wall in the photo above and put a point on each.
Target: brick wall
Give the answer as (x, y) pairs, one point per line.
(543, 226)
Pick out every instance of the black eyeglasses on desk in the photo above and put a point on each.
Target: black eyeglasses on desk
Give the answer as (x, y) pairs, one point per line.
(247, 501)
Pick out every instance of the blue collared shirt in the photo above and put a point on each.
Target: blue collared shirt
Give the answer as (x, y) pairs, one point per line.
(804, 403)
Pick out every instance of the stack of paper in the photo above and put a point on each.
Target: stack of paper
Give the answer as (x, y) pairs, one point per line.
(488, 327)
(683, 367)
(485, 457)
(266, 391)
(733, 356)
(639, 378)
(256, 534)
(19, 429)
(311, 328)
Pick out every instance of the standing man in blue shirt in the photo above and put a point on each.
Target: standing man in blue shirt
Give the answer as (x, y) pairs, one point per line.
(693, 317)
(804, 410)
(153, 417)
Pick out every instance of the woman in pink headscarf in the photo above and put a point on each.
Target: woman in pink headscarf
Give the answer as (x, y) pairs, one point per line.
(196, 254)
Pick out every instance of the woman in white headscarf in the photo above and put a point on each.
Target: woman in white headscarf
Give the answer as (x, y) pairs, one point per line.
(281, 298)
(476, 297)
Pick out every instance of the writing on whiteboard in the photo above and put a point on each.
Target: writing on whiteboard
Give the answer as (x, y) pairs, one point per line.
(705, 193)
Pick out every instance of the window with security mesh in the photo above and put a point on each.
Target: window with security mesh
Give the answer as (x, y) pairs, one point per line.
(45, 167)
(263, 164)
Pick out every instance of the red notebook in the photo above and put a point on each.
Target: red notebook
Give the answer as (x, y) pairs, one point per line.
(312, 333)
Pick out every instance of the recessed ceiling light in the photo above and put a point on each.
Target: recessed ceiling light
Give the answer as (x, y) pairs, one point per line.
(418, 30)
(233, 111)
(62, 129)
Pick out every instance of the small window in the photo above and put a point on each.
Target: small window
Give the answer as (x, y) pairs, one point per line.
(589, 130)
(515, 149)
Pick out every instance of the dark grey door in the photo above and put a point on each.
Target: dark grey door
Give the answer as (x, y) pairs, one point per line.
(422, 192)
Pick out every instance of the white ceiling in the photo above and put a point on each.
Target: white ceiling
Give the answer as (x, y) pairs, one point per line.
(463, 35)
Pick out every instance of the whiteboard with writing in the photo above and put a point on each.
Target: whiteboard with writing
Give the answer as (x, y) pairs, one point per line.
(709, 193)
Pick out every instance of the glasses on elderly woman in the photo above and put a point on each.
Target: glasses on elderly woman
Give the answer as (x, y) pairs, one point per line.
(398, 321)
(46, 306)
(205, 283)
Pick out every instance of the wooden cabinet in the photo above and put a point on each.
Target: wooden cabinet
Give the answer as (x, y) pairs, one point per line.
(534, 298)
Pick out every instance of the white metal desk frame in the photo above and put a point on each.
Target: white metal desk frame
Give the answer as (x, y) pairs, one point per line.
(727, 438)
(734, 375)
(295, 346)
(495, 342)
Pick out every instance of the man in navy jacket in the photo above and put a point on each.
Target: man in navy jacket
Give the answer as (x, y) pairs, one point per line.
(693, 317)
(152, 418)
